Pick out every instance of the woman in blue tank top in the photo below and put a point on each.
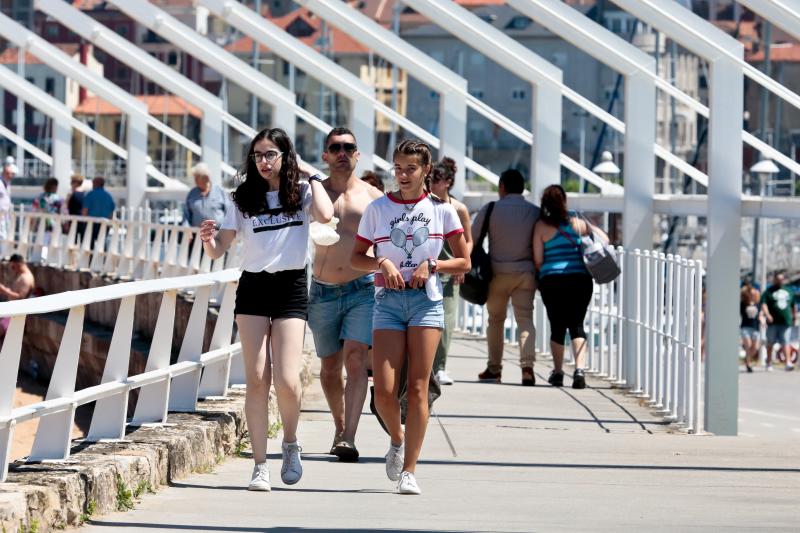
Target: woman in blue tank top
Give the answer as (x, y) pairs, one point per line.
(564, 282)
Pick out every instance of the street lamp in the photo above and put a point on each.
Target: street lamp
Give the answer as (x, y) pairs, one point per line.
(606, 168)
(762, 170)
(609, 171)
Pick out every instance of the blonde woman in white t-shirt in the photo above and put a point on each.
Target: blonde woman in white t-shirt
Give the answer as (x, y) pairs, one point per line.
(408, 228)
(273, 211)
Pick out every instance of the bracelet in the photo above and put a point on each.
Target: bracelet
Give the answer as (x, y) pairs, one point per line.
(315, 177)
(380, 261)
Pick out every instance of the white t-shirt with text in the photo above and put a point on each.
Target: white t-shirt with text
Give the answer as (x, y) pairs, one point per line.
(273, 241)
(409, 232)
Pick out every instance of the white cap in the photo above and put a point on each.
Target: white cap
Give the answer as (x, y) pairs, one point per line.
(10, 160)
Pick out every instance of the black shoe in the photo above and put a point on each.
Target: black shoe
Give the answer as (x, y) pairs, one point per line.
(749, 369)
(528, 378)
(487, 376)
(578, 380)
(556, 379)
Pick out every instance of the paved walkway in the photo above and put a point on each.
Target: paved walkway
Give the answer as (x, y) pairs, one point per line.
(527, 459)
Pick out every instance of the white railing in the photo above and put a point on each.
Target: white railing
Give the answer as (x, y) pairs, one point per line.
(162, 386)
(668, 365)
(128, 247)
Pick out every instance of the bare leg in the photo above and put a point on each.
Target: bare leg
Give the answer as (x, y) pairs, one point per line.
(287, 349)
(355, 392)
(422, 343)
(330, 377)
(253, 332)
(578, 351)
(388, 354)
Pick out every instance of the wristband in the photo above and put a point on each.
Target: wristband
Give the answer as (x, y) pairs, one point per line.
(315, 177)
(380, 261)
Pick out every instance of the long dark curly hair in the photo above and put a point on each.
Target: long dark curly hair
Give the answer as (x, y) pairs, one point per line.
(251, 196)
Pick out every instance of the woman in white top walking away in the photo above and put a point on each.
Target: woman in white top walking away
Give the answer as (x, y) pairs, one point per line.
(408, 228)
(273, 211)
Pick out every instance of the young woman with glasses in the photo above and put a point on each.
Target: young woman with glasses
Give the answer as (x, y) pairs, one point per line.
(273, 211)
(408, 228)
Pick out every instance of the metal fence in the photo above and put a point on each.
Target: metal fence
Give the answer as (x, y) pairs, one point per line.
(162, 386)
(664, 365)
(131, 246)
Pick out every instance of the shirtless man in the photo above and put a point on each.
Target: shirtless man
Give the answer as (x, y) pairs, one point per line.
(20, 288)
(341, 299)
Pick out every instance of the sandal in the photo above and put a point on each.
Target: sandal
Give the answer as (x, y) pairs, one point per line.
(346, 451)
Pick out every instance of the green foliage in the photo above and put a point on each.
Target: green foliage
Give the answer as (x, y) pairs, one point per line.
(124, 495)
(273, 429)
(142, 487)
(572, 185)
(32, 528)
(241, 445)
(91, 507)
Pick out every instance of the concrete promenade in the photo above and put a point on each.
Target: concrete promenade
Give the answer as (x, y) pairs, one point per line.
(527, 459)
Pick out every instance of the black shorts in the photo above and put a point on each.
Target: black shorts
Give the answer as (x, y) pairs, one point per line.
(281, 294)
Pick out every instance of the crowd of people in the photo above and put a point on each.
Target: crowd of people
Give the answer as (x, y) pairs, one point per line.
(769, 317)
(381, 300)
(388, 286)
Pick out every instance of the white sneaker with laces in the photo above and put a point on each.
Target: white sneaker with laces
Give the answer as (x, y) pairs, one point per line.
(408, 484)
(260, 478)
(292, 469)
(443, 378)
(394, 461)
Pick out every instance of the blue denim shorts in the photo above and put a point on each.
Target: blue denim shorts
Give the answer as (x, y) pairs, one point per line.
(397, 310)
(779, 334)
(337, 313)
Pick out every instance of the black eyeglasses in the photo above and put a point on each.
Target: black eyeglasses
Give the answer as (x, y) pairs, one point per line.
(335, 148)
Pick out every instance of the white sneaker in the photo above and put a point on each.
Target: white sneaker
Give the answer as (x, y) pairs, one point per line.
(769, 368)
(394, 461)
(443, 378)
(260, 479)
(292, 469)
(408, 484)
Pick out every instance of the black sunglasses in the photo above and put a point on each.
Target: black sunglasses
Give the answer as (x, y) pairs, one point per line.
(335, 148)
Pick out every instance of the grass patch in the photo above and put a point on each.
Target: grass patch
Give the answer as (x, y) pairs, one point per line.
(91, 507)
(124, 495)
(241, 445)
(273, 429)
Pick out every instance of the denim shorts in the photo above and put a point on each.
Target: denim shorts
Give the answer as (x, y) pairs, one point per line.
(397, 310)
(778, 334)
(337, 313)
(750, 333)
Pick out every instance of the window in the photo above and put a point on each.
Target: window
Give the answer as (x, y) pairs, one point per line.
(520, 22)
(476, 59)
(52, 30)
(518, 94)
(477, 93)
(172, 58)
(50, 86)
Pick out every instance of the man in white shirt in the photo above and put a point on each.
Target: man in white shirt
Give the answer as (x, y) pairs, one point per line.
(9, 171)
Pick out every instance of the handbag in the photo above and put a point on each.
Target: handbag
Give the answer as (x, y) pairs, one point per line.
(599, 257)
(475, 288)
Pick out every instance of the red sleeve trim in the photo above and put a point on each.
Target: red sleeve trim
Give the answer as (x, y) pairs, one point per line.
(454, 232)
(363, 239)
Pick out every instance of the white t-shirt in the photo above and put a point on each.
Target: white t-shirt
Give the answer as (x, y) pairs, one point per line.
(274, 241)
(408, 232)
